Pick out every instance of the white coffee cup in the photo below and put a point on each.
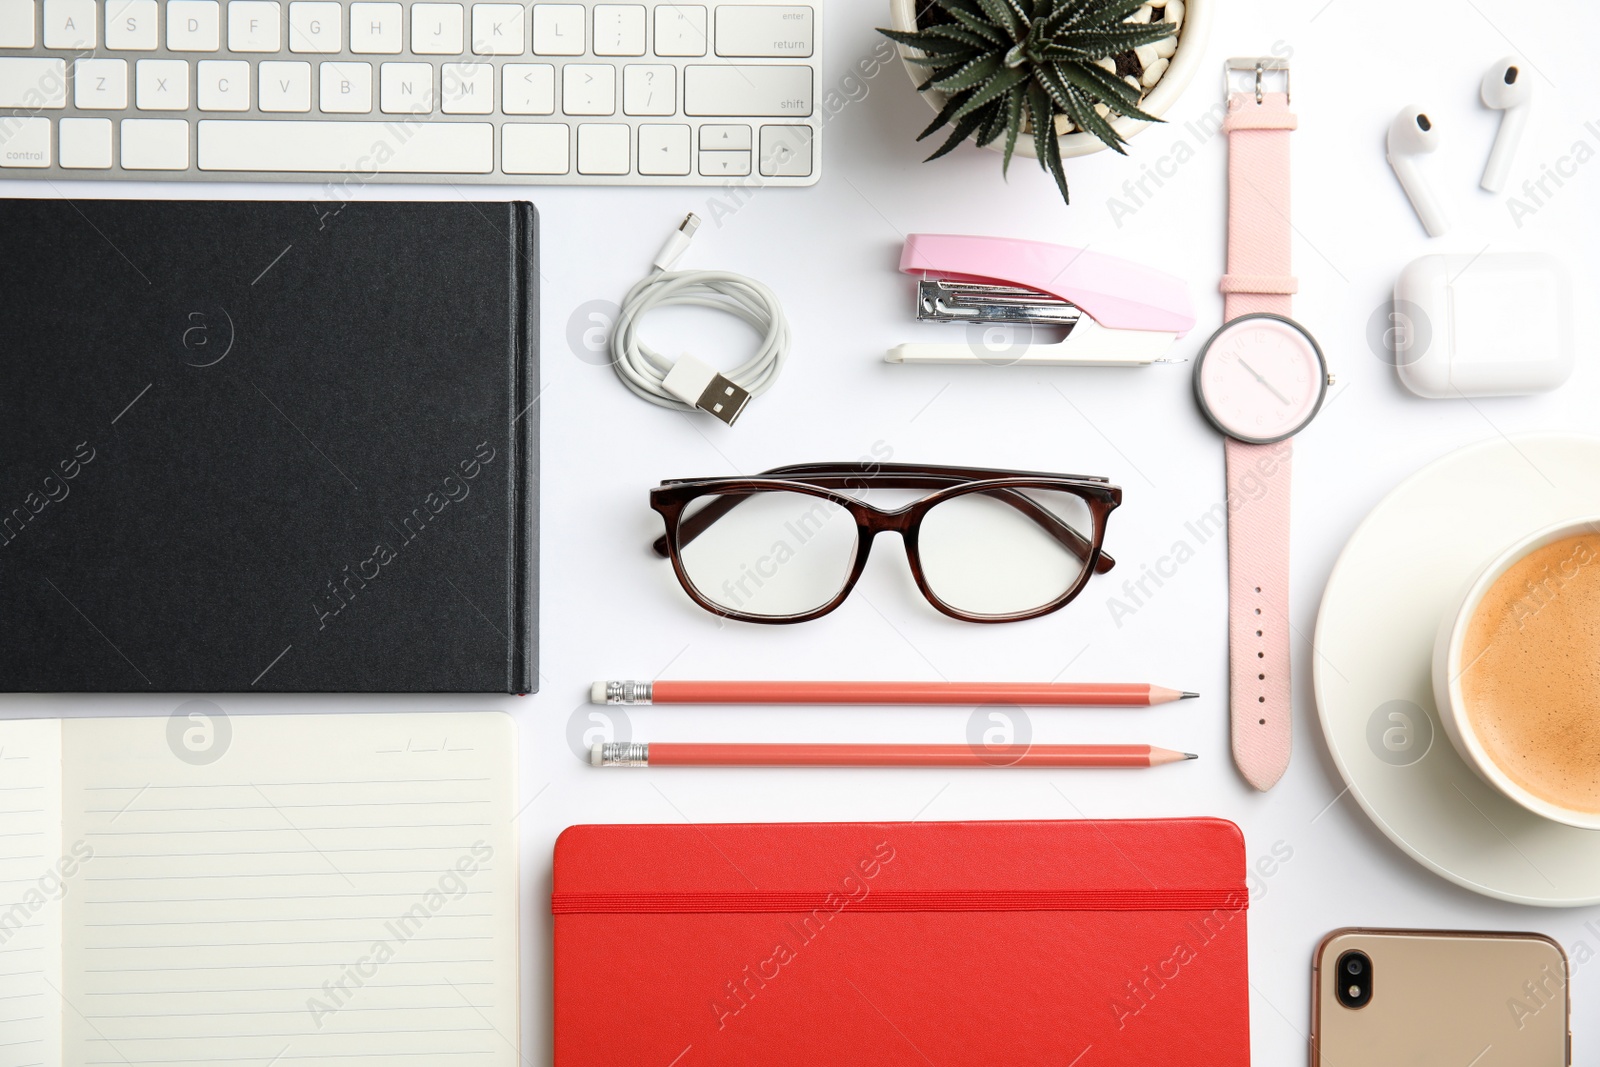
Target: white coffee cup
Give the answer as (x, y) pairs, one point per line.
(1447, 669)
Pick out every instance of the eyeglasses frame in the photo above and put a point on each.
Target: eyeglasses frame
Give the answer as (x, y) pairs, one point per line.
(672, 497)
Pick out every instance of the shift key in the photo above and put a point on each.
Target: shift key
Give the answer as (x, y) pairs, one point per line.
(751, 30)
(774, 90)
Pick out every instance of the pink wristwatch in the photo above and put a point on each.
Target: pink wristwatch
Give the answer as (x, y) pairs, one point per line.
(1260, 379)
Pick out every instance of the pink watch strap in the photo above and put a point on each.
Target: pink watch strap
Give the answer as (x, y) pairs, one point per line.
(1259, 280)
(1258, 609)
(1258, 277)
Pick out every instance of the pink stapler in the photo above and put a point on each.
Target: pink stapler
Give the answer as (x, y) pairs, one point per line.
(1115, 313)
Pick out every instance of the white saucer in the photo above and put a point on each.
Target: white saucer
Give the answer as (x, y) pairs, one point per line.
(1393, 583)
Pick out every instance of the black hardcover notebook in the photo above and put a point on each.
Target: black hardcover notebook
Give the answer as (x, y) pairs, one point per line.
(270, 446)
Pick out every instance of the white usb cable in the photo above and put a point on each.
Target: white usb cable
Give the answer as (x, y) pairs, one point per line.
(688, 383)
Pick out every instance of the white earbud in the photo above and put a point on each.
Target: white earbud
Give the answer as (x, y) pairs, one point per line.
(1412, 134)
(1507, 89)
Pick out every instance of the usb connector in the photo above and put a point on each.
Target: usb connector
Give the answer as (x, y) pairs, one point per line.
(690, 384)
(699, 384)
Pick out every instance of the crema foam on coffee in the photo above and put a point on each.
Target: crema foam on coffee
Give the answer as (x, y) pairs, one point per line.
(1530, 677)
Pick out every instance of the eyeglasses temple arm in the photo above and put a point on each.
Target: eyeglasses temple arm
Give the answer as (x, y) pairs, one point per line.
(1076, 543)
(1063, 532)
(697, 524)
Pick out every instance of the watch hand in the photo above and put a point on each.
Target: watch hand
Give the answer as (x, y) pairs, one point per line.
(1268, 385)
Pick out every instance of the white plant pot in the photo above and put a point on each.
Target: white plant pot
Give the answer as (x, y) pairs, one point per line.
(1192, 37)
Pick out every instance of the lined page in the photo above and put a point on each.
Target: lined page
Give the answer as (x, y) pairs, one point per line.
(329, 891)
(35, 873)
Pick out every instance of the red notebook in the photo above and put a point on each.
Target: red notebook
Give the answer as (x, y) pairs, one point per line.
(1073, 944)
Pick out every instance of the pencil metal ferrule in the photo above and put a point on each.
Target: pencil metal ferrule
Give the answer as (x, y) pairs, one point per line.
(629, 692)
(620, 754)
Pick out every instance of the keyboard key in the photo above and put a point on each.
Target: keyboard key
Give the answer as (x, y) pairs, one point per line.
(786, 151)
(663, 149)
(405, 88)
(193, 26)
(603, 148)
(283, 86)
(724, 138)
(70, 24)
(436, 29)
(649, 89)
(100, 84)
(528, 89)
(558, 29)
(375, 28)
(724, 164)
(155, 144)
(589, 89)
(314, 26)
(16, 23)
(499, 30)
(35, 84)
(763, 30)
(298, 146)
(222, 85)
(85, 144)
(618, 30)
(131, 26)
(466, 88)
(255, 26)
(730, 90)
(346, 88)
(680, 30)
(534, 148)
(161, 84)
(25, 143)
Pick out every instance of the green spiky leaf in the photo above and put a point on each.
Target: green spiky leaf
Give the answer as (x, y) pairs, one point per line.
(970, 75)
(992, 89)
(1014, 104)
(1008, 65)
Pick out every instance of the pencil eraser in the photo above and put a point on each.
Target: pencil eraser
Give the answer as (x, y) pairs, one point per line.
(597, 755)
(597, 693)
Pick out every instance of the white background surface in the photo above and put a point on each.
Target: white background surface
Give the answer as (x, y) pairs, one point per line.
(610, 609)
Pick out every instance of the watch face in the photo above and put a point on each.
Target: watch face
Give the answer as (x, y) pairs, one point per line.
(1261, 378)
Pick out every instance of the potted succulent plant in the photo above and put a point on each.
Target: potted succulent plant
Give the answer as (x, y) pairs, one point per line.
(1048, 78)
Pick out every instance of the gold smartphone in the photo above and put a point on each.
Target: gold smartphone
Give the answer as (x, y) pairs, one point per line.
(1439, 998)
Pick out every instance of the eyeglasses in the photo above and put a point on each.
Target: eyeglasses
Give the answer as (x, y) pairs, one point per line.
(789, 545)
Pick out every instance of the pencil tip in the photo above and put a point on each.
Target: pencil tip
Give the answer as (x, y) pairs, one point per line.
(1190, 755)
(1188, 696)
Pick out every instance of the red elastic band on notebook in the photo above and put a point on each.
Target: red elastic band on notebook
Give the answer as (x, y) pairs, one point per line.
(753, 901)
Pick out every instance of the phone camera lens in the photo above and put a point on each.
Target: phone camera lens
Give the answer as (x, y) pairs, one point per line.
(1353, 987)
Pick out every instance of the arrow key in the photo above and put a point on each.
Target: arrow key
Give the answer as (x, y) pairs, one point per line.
(664, 149)
(718, 138)
(724, 164)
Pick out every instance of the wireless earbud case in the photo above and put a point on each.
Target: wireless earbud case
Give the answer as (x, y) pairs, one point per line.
(1488, 325)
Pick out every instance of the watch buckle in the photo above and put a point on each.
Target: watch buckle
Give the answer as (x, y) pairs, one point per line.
(1250, 74)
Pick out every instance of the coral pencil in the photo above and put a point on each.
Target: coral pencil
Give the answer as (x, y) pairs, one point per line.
(1029, 694)
(665, 754)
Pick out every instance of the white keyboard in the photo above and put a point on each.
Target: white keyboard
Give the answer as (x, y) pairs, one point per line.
(353, 91)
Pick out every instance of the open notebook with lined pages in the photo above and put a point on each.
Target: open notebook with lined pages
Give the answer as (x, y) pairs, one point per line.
(312, 890)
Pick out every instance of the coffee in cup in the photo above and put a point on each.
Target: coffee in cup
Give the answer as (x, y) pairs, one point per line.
(1517, 673)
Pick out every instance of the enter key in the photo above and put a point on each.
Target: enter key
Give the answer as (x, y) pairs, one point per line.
(764, 30)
